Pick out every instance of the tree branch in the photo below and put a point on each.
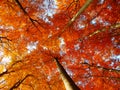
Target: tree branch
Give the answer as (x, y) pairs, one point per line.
(76, 15)
(79, 12)
(72, 20)
(114, 26)
(97, 76)
(100, 67)
(17, 84)
(3, 37)
(31, 20)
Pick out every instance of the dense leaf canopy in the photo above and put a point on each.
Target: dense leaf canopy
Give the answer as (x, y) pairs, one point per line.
(87, 44)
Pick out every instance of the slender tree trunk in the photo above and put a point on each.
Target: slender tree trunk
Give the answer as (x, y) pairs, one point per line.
(68, 82)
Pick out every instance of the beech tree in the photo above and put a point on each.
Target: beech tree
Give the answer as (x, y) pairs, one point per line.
(59, 44)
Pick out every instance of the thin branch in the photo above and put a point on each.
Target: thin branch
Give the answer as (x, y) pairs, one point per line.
(6, 72)
(9, 70)
(32, 20)
(76, 2)
(97, 76)
(21, 7)
(3, 37)
(100, 67)
(18, 83)
(5, 41)
(110, 77)
(114, 26)
(3, 73)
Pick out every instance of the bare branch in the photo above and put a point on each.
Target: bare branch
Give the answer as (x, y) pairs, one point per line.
(5, 41)
(97, 76)
(100, 67)
(114, 26)
(32, 20)
(3, 38)
(18, 83)
(3, 73)
(77, 5)
(6, 72)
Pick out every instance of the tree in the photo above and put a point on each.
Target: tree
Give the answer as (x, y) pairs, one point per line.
(42, 41)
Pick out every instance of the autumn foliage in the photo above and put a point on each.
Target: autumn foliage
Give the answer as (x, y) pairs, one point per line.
(34, 32)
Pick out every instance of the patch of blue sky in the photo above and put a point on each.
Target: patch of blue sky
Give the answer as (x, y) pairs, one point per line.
(99, 20)
(116, 58)
(49, 9)
(109, 7)
(32, 46)
(115, 43)
(101, 1)
(93, 22)
(6, 27)
(76, 46)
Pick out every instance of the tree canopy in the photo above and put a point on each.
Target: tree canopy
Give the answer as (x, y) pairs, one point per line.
(83, 36)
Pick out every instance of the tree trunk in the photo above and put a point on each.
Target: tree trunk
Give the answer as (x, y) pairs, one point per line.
(68, 82)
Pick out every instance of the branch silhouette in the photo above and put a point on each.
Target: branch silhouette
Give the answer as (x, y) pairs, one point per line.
(31, 20)
(17, 84)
